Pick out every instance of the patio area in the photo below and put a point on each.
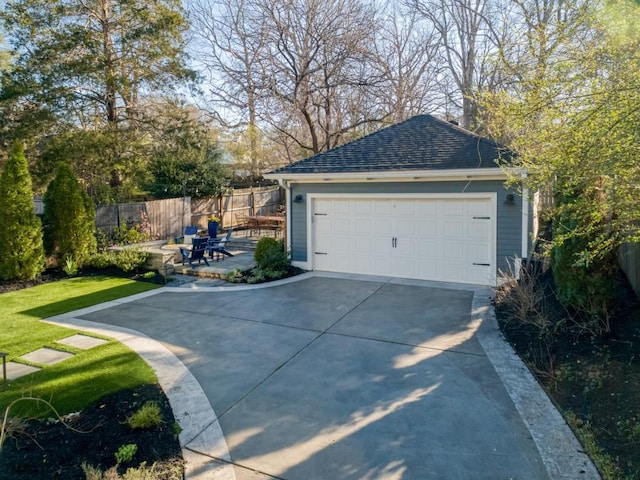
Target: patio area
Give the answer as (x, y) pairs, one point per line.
(242, 250)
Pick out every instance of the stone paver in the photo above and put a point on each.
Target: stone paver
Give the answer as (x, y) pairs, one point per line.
(83, 342)
(17, 370)
(47, 356)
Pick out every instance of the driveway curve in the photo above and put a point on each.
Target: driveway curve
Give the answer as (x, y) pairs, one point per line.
(343, 377)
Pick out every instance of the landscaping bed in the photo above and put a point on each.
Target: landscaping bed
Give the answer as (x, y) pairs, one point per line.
(52, 450)
(593, 379)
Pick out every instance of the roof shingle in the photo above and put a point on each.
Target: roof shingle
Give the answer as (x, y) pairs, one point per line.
(422, 142)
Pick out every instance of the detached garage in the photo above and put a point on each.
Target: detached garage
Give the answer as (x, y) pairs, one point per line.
(422, 199)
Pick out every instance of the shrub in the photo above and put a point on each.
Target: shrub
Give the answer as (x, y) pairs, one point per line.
(131, 259)
(104, 259)
(127, 259)
(587, 289)
(69, 218)
(271, 255)
(20, 230)
(128, 235)
(264, 245)
(148, 416)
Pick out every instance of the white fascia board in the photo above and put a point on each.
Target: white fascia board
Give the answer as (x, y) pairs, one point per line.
(398, 176)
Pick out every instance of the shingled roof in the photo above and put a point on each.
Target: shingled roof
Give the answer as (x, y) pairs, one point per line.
(422, 142)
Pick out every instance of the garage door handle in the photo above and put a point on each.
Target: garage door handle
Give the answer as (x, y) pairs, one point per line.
(394, 242)
(482, 264)
(321, 253)
(482, 218)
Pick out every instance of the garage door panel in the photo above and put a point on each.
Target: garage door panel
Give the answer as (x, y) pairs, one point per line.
(478, 230)
(478, 252)
(426, 238)
(428, 229)
(426, 209)
(451, 208)
(453, 250)
(453, 230)
(404, 208)
(478, 208)
(362, 208)
(405, 227)
(363, 226)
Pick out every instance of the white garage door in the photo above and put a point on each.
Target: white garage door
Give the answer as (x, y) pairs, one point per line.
(442, 239)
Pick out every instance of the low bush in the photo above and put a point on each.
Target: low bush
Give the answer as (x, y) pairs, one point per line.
(270, 254)
(264, 246)
(127, 260)
(131, 259)
(148, 416)
(128, 235)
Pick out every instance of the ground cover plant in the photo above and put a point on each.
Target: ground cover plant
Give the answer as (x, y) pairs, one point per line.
(110, 377)
(589, 369)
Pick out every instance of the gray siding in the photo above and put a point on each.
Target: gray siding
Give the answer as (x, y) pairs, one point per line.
(509, 222)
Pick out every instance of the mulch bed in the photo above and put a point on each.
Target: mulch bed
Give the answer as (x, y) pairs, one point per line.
(51, 450)
(595, 378)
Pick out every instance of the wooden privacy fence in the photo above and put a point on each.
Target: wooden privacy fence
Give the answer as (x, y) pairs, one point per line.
(167, 218)
(247, 201)
(163, 218)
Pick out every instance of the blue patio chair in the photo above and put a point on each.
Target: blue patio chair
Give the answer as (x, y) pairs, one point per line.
(218, 246)
(197, 251)
(190, 231)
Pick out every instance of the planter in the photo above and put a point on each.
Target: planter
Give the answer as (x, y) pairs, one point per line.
(212, 227)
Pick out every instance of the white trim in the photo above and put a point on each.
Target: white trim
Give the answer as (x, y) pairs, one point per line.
(288, 202)
(303, 265)
(491, 196)
(398, 176)
(525, 222)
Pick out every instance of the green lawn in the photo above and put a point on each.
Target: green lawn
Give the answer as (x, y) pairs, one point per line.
(79, 381)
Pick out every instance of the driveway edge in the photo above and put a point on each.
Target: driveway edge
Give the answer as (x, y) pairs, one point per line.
(561, 453)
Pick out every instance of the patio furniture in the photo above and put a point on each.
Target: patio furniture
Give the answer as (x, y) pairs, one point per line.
(218, 246)
(274, 223)
(196, 252)
(242, 222)
(190, 232)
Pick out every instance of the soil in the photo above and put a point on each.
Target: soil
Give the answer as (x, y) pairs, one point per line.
(594, 379)
(55, 450)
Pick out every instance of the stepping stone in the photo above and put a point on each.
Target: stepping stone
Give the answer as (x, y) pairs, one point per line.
(47, 356)
(83, 342)
(17, 370)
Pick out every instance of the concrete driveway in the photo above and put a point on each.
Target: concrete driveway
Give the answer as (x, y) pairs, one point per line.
(339, 378)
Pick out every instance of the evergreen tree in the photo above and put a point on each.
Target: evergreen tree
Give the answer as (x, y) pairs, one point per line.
(20, 229)
(69, 219)
(83, 76)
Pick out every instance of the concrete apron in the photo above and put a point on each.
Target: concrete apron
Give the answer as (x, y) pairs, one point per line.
(330, 377)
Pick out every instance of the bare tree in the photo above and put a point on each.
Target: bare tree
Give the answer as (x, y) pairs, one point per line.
(466, 38)
(406, 52)
(317, 61)
(228, 41)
